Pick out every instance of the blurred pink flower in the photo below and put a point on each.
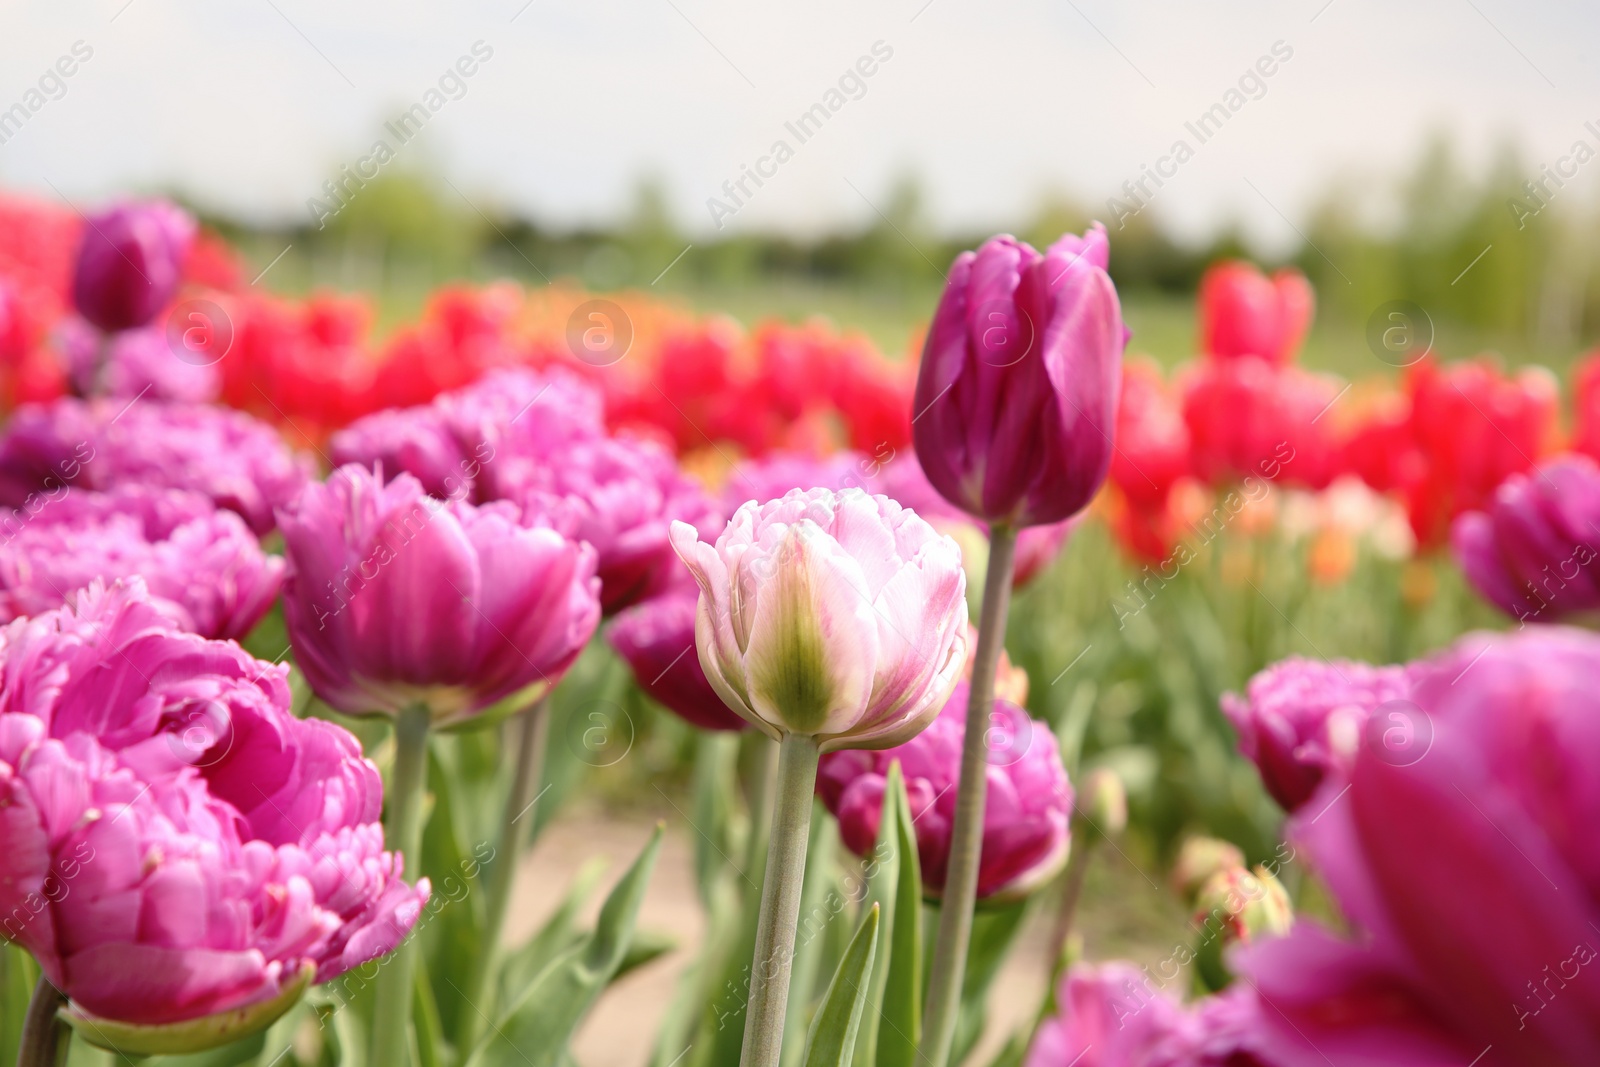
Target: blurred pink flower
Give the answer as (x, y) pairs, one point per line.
(239, 462)
(202, 566)
(173, 841)
(1301, 719)
(835, 615)
(394, 598)
(137, 362)
(1025, 821)
(773, 475)
(1468, 870)
(656, 638)
(130, 262)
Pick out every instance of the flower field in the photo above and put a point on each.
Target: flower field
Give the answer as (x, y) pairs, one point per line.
(312, 632)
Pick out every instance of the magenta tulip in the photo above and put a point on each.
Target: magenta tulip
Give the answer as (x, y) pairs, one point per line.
(174, 843)
(774, 475)
(1301, 720)
(656, 639)
(238, 461)
(1532, 553)
(130, 263)
(622, 496)
(416, 441)
(138, 362)
(203, 567)
(1017, 395)
(1468, 872)
(394, 599)
(1025, 822)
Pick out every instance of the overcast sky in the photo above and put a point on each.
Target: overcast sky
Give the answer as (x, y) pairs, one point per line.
(248, 106)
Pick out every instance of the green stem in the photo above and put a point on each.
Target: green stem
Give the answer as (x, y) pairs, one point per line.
(780, 902)
(44, 1037)
(514, 827)
(966, 837)
(761, 792)
(1071, 893)
(391, 1019)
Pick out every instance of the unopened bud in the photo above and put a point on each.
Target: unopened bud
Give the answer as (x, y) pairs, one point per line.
(1237, 906)
(1198, 860)
(1104, 801)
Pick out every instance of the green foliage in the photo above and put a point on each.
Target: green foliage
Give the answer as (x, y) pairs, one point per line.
(831, 1041)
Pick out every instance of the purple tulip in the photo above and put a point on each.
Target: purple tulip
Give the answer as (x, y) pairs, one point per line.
(416, 441)
(130, 263)
(394, 599)
(656, 638)
(451, 445)
(1025, 822)
(1467, 869)
(1532, 552)
(1118, 1015)
(621, 495)
(138, 362)
(238, 461)
(202, 566)
(839, 616)
(774, 475)
(174, 843)
(1016, 398)
(1301, 719)
(1037, 546)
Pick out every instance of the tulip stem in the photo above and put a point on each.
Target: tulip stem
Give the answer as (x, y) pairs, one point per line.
(966, 837)
(780, 902)
(535, 729)
(44, 1044)
(391, 1018)
(1071, 893)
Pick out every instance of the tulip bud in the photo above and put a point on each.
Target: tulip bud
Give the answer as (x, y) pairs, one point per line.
(1236, 906)
(130, 263)
(1017, 393)
(840, 616)
(1198, 859)
(1104, 801)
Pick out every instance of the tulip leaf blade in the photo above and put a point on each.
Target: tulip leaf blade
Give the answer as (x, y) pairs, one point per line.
(831, 1041)
(899, 1028)
(535, 1030)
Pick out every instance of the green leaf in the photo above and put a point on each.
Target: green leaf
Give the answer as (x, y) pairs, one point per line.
(716, 753)
(559, 934)
(832, 1039)
(18, 973)
(900, 1003)
(535, 1031)
(646, 946)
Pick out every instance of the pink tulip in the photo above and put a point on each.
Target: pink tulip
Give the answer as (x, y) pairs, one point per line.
(774, 474)
(622, 496)
(239, 462)
(1017, 394)
(1301, 720)
(130, 263)
(1025, 821)
(656, 639)
(1468, 873)
(1532, 551)
(138, 362)
(839, 616)
(202, 566)
(393, 598)
(1245, 313)
(173, 842)
(415, 441)
(1118, 1015)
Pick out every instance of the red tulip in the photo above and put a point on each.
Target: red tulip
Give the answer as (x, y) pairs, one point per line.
(1245, 313)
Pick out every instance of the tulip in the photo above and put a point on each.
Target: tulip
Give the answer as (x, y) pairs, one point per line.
(1530, 552)
(827, 620)
(138, 362)
(1467, 879)
(239, 462)
(1250, 419)
(1017, 395)
(394, 600)
(656, 639)
(1015, 404)
(775, 474)
(183, 856)
(1025, 830)
(202, 566)
(1300, 720)
(130, 263)
(621, 495)
(1245, 313)
(1236, 906)
(1118, 1015)
(415, 441)
(1199, 858)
